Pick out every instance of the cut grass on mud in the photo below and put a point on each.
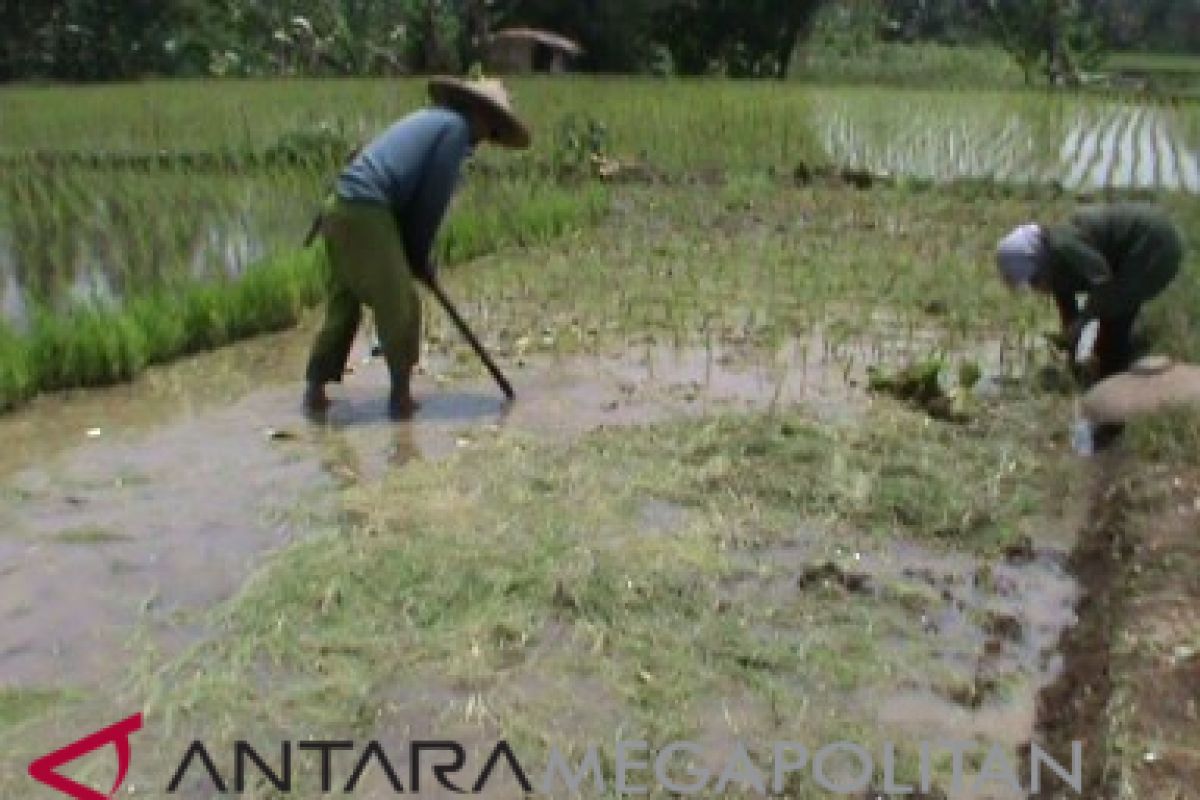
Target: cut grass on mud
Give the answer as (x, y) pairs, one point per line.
(699, 580)
(92, 534)
(19, 705)
(639, 580)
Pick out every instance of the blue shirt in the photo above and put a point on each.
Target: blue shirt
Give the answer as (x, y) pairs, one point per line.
(412, 167)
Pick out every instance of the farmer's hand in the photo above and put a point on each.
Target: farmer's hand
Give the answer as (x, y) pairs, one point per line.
(1057, 340)
(1073, 333)
(1067, 341)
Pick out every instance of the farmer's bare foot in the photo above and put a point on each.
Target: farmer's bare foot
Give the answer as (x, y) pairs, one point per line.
(315, 399)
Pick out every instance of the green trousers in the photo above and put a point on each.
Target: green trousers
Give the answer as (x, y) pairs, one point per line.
(367, 266)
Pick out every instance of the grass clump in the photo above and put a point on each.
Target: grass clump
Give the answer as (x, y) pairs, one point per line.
(91, 346)
(886, 475)
(18, 380)
(90, 534)
(517, 564)
(91, 342)
(20, 705)
(928, 385)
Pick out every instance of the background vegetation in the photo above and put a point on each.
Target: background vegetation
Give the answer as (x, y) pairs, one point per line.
(88, 40)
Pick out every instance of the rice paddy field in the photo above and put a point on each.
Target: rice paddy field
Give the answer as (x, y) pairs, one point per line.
(787, 462)
(90, 171)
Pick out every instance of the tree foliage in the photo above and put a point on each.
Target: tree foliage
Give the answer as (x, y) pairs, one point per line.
(1054, 37)
(106, 39)
(744, 38)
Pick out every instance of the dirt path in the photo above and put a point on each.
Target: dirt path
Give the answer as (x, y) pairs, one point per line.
(1131, 685)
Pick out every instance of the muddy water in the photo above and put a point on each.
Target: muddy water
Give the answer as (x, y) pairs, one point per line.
(985, 631)
(995, 631)
(127, 512)
(131, 509)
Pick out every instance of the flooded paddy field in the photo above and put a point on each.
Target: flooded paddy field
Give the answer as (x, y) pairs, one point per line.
(1078, 143)
(701, 519)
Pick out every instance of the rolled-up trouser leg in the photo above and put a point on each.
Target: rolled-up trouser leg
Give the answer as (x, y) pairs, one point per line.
(366, 252)
(398, 326)
(343, 313)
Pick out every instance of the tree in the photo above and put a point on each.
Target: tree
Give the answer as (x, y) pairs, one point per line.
(1051, 35)
(87, 39)
(745, 38)
(950, 21)
(1169, 25)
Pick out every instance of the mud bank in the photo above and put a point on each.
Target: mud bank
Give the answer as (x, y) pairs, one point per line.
(1131, 682)
(1075, 707)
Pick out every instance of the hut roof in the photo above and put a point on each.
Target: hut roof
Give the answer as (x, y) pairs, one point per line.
(546, 38)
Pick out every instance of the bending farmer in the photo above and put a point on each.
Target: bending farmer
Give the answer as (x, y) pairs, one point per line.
(1119, 256)
(380, 227)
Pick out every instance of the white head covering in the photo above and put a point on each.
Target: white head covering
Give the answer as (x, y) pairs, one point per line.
(1019, 253)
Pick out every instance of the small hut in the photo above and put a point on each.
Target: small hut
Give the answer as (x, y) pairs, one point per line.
(529, 50)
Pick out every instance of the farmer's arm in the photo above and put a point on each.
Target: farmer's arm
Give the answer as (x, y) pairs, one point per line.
(428, 206)
(1078, 266)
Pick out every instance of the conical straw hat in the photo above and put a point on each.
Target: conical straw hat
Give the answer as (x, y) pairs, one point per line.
(490, 95)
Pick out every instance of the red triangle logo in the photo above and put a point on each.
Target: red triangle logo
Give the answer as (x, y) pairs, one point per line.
(43, 769)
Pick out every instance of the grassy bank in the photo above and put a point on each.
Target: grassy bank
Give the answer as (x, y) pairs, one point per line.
(923, 64)
(91, 343)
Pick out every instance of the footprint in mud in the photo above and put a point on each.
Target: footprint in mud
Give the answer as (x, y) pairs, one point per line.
(1002, 626)
(831, 574)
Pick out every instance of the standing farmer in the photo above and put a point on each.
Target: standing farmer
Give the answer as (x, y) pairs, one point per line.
(380, 227)
(1119, 256)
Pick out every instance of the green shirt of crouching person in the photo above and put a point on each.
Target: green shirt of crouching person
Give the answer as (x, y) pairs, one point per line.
(1117, 256)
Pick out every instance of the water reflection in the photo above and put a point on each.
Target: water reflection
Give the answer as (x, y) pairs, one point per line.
(13, 308)
(69, 240)
(227, 248)
(1088, 146)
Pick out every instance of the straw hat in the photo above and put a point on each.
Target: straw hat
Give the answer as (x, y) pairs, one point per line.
(488, 95)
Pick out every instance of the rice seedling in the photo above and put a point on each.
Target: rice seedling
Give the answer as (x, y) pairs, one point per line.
(104, 283)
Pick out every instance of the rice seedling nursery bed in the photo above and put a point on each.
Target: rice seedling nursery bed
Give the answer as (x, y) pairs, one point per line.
(687, 568)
